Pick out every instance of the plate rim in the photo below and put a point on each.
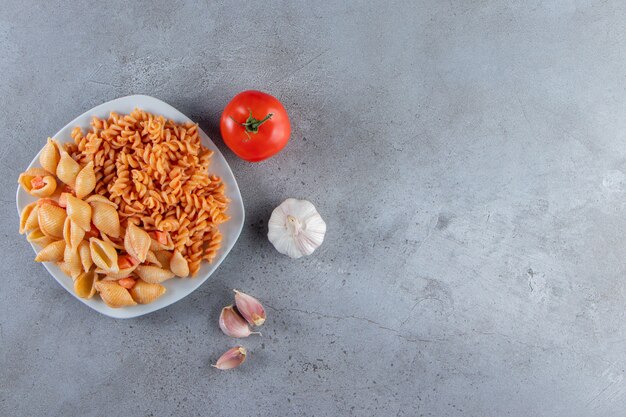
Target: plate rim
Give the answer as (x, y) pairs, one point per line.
(128, 313)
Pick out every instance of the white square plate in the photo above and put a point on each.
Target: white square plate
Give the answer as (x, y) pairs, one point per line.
(177, 288)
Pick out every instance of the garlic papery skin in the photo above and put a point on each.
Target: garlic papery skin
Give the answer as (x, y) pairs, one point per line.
(250, 308)
(296, 228)
(232, 358)
(233, 325)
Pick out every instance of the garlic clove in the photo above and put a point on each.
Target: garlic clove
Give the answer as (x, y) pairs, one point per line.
(232, 358)
(233, 325)
(296, 228)
(250, 308)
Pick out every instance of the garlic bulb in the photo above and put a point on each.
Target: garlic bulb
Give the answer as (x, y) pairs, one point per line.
(296, 228)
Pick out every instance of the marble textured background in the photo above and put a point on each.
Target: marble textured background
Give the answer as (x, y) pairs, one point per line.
(468, 156)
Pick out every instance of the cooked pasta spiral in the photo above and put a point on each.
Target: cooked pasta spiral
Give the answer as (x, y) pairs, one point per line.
(156, 170)
(135, 183)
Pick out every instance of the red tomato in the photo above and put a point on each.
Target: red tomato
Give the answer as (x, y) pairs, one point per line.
(160, 237)
(37, 182)
(63, 200)
(93, 232)
(127, 282)
(255, 125)
(126, 261)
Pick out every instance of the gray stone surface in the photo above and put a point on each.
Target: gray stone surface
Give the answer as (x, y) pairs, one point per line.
(469, 158)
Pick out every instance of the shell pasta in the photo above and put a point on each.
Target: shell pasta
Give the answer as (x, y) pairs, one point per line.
(125, 206)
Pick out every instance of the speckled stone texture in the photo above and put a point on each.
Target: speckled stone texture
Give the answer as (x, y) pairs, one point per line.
(469, 158)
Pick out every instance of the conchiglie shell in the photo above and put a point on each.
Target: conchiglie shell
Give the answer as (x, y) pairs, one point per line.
(114, 295)
(65, 268)
(122, 273)
(137, 242)
(24, 181)
(53, 252)
(39, 238)
(164, 258)
(107, 277)
(152, 259)
(157, 246)
(106, 219)
(32, 222)
(111, 242)
(97, 198)
(51, 219)
(79, 212)
(145, 293)
(49, 157)
(153, 274)
(71, 258)
(28, 218)
(67, 169)
(85, 255)
(29, 174)
(179, 265)
(85, 181)
(84, 285)
(72, 234)
(47, 190)
(103, 255)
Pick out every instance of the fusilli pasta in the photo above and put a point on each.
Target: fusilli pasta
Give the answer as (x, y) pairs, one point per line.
(155, 170)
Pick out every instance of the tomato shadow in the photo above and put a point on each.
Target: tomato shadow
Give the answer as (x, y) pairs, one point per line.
(212, 129)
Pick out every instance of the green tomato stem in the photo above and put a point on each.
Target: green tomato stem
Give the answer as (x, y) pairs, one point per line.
(252, 124)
